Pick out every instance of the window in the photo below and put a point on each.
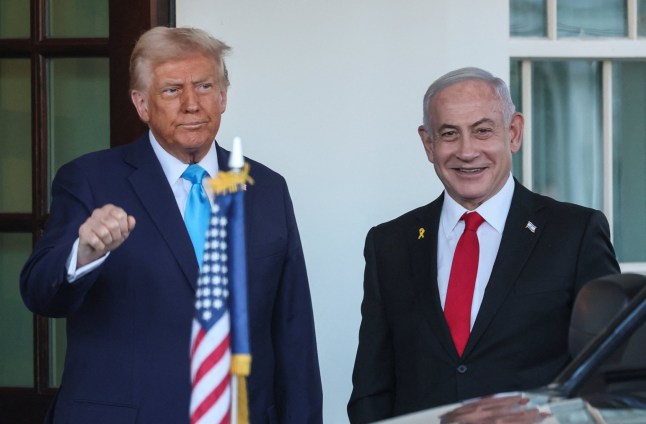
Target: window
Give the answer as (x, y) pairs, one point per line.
(578, 73)
(63, 92)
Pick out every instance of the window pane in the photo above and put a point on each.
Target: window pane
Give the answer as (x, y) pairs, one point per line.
(567, 143)
(14, 19)
(515, 84)
(79, 109)
(16, 325)
(78, 123)
(629, 179)
(527, 18)
(641, 18)
(77, 18)
(15, 142)
(591, 18)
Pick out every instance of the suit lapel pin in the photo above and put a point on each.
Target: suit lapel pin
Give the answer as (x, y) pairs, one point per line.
(530, 226)
(421, 233)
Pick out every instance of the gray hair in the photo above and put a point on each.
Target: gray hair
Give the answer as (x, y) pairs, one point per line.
(162, 44)
(468, 74)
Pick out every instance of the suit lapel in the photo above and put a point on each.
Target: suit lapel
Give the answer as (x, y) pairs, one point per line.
(150, 185)
(223, 158)
(423, 253)
(516, 245)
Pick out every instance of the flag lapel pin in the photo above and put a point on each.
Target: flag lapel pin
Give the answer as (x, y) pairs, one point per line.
(530, 226)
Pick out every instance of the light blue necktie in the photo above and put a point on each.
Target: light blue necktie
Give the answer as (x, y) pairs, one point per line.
(198, 209)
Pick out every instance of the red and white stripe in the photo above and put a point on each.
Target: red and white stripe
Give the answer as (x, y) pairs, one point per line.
(210, 373)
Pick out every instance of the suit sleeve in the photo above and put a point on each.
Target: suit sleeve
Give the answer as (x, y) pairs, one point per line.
(298, 393)
(596, 255)
(373, 377)
(43, 280)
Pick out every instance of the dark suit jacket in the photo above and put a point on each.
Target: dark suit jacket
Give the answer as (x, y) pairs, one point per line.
(129, 321)
(406, 360)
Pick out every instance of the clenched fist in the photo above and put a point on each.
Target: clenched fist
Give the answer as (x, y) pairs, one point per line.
(103, 231)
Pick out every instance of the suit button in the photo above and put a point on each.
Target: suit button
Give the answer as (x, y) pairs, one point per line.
(462, 369)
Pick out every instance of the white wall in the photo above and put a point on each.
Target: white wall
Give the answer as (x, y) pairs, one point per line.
(329, 94)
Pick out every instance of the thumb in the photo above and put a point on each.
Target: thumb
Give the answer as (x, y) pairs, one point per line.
(131, 223)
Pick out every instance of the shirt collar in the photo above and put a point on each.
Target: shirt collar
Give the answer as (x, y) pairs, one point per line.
(494, 210)
(174, 168)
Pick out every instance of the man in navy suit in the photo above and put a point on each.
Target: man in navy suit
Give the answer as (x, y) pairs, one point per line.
(534, 255)
(117, 261)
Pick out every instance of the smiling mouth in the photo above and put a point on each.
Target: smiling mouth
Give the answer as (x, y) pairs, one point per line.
(469, 170)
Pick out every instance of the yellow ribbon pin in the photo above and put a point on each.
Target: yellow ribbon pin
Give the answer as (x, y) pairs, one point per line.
(421, 233)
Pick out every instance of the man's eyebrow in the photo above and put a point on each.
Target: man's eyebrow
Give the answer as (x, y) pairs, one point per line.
(203, 80)
(483, 121)
(447, 126)
(170, 82)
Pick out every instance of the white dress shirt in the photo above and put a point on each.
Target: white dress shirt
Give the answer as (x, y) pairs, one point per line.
(173, 169)
(494, 211)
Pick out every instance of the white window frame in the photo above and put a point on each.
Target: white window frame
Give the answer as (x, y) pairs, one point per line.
(529, 49)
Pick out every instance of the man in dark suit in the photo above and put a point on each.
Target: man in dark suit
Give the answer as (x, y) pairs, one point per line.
(117, 261)
(532, 256)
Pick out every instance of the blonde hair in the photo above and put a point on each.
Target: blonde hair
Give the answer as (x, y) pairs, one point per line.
(163, 44)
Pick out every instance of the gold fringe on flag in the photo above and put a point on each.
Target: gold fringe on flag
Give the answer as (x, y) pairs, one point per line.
(231, 182)
(241, 368)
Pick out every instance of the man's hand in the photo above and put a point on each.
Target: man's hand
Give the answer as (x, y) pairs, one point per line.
(103, 231)
(503, 409)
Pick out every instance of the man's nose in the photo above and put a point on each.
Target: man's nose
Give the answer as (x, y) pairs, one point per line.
(467, 148)
(190, 100)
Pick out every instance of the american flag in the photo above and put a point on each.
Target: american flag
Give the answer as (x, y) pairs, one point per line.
(221, 295)
(210, 340)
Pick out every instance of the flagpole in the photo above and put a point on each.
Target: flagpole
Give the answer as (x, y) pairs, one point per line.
(236, 162)
(234, 399)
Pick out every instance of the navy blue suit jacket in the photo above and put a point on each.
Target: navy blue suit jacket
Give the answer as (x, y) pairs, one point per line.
(129, 321)
(406, 360)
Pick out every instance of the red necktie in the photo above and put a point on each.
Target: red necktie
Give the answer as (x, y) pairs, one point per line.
(459, 296)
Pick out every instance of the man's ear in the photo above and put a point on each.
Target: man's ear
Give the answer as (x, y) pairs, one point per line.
(516, 131)
(426, 141)
(223, 100)
(139, 100)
